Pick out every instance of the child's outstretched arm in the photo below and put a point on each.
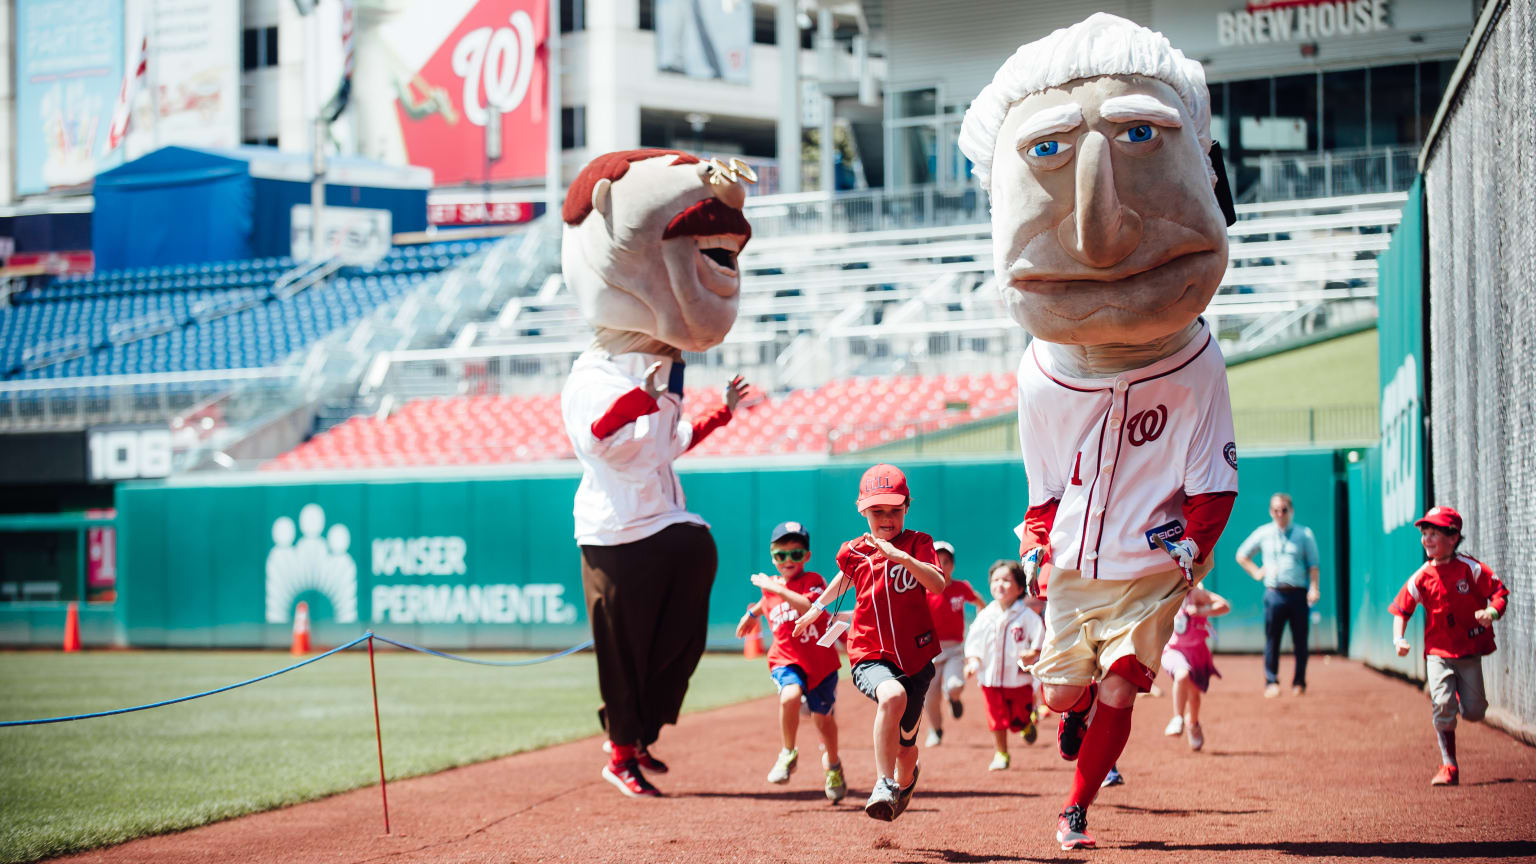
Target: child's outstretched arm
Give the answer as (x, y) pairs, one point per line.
(746, 618)
(1210, 604)
(1402, 609)
(795, 599)
(927, 575)
(814, 610)
(1399, 635)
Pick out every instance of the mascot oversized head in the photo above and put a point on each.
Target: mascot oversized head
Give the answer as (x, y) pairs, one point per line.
(650, 246)
(1094, 146)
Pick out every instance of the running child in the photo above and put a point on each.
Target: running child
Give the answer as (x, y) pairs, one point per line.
(892, 644)
(1461, 599)
(803, 670)
(1188, 659)
(948, 610)
(1004, 639)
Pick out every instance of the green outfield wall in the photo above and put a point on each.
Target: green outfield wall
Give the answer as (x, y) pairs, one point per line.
(488, 562)
(1387, 486)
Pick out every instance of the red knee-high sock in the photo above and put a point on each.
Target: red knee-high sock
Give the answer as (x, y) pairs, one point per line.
(1102, 745)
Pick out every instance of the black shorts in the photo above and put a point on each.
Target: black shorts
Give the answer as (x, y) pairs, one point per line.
(870, 674)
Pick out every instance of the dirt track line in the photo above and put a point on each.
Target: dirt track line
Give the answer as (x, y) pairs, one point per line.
(480, 830)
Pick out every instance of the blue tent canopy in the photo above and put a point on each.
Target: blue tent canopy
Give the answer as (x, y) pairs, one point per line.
(184, 205)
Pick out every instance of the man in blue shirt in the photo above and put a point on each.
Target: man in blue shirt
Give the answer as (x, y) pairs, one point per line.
(1289, 573)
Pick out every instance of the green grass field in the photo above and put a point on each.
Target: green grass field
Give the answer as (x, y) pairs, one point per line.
(297, 737)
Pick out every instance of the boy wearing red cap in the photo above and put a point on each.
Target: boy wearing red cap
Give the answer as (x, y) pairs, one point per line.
(1461, 599)
(892, 643)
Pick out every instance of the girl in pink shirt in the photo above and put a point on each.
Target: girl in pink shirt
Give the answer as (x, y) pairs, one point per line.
(1188, 659)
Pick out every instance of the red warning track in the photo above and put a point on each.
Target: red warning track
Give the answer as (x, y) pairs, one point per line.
(1339, 774)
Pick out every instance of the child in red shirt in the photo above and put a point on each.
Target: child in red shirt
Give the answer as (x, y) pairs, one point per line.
(803, 670)
(1461, 599)
(948, 611)
(892, 644)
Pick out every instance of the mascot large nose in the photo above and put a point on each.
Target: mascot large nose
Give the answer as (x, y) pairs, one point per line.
(1100, 231)
(733, 193)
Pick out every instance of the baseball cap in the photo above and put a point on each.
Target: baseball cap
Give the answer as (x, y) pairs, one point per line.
(944, 546)
(882, 484)
(1441, 516)
(790, 531)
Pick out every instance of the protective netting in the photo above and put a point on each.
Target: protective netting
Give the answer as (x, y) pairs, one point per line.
(1481, 205)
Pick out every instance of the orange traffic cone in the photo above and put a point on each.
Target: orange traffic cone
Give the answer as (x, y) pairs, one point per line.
(300, 629)
(752, 643)
(72, 628)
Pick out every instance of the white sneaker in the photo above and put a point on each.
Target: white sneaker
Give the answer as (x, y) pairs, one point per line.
(1175, 726)
(934, 739)
(784, 767)
(1000, 762)
(1196, 736)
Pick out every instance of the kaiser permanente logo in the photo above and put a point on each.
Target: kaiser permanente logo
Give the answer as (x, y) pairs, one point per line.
(311, 563)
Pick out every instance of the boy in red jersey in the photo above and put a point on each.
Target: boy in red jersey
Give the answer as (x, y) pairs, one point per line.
(802, 669)
(948, 610)
(1461, 599)
(892, 644)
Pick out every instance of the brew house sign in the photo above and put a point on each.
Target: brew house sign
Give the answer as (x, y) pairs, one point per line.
(1304, 21)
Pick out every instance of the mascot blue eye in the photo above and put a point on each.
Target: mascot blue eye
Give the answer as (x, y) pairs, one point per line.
(1044, 148)
(1138, 134)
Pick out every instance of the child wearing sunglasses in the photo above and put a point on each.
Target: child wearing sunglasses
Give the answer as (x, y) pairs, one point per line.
(892, 644)
(803, 670)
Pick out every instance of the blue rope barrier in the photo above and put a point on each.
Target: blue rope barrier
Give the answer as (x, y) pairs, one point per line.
(316, 658)
(445, 655)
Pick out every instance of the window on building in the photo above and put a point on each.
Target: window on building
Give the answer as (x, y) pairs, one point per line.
(1434, 77)
(573, 16)
(573, 127)
(765, 25)
(1344, 109)
(1394, 106)
(647, 14)
(261, 142)
(258, 47)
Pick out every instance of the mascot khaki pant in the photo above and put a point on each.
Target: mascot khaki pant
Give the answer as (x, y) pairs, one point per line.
(648, 602)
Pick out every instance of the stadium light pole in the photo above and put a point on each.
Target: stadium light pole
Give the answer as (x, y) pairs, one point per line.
(556, 114)
(787, 34)
(317, 125)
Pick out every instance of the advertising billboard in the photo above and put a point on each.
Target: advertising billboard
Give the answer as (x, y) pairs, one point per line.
(191, 95)
(709, 39)
(69, 65)
(430, 77)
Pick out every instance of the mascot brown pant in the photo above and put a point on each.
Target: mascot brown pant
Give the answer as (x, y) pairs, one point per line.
(648, 602)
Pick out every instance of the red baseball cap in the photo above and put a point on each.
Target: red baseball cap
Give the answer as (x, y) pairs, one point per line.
(1441, 517)
(882, 484)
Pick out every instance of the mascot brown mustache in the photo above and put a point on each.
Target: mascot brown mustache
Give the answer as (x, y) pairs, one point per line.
(650, 245)
(1109, 240)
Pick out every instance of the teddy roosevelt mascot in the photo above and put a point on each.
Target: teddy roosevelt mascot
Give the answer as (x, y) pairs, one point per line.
(1093, 144)
(650, 245)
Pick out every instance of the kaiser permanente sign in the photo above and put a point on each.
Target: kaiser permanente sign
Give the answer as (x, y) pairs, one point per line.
(454, 562)
(1302, 22)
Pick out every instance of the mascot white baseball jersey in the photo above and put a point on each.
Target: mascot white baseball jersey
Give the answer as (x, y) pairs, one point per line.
(1122, 454)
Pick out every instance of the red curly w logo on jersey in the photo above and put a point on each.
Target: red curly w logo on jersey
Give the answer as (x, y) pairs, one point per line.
(901, 578)
(1148, 425)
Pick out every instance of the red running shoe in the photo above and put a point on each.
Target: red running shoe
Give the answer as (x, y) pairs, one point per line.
(1074, 725)
(1072, 829)
(629, 780)
(1446, 776)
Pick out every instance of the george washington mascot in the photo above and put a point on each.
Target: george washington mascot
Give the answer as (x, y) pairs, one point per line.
(649, 251)
(1109, 240)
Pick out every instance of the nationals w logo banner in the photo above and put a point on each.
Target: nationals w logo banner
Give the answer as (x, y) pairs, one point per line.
(430, 78)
